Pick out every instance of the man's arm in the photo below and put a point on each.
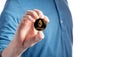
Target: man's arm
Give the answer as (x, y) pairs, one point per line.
(25, 35)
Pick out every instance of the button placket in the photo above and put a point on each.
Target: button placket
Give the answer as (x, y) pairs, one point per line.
(61, 21)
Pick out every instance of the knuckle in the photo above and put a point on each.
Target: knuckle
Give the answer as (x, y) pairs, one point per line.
(40, 13)
(28, 16)
(35, 15)
(29, 12)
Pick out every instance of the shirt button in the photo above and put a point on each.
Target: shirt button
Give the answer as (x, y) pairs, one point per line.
(61, 21)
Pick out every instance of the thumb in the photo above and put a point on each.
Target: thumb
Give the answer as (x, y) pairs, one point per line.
(33, 40)
(39, 36)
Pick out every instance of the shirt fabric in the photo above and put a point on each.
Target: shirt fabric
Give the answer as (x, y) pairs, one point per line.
(58, 33)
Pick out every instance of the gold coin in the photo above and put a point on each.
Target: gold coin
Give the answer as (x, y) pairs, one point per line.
(40, 24)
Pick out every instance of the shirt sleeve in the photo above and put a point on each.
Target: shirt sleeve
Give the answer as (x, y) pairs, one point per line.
(0, 53)
(7, 29)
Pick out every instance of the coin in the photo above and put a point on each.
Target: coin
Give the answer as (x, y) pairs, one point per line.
(40, 24)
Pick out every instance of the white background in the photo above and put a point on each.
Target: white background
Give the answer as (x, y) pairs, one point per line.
(96, 27)
(2, 2)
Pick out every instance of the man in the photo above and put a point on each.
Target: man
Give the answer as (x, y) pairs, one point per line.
(19, 38)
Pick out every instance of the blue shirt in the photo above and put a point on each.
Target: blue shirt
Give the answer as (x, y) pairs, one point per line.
(58, 34)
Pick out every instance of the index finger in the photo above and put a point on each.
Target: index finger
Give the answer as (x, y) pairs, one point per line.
(40, 13)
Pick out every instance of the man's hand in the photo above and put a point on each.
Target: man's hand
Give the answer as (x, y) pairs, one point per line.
(26, 35)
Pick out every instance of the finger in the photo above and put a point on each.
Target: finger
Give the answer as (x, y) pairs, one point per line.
(29, 18)
(25, 25)
(33, 40)
(32, 13)
(46, 19)
(40, 13)
(26, 21)
(29, 42)
(39, 36)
